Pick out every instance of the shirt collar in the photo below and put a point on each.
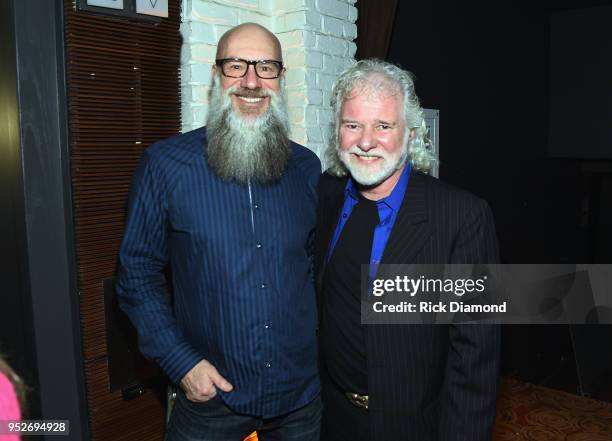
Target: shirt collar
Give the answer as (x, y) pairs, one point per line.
(394, 200)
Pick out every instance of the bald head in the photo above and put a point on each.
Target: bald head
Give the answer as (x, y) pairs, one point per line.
(248, 36)
(250, 93)
(247, 125)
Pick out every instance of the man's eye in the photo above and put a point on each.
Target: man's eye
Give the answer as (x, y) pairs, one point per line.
(264, 68)
(384, 126)
(235, 66)
(350, 126)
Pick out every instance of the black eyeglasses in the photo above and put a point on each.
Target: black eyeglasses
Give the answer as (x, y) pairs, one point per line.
(237, 67)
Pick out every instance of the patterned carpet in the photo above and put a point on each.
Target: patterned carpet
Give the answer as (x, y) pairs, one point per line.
(526, 412)
(536, 413)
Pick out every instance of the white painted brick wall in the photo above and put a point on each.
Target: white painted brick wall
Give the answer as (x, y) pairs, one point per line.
(317, 38)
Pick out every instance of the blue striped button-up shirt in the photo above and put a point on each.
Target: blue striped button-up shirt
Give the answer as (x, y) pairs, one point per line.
(240, 259)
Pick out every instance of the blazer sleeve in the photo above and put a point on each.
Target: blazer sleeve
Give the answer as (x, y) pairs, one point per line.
(472, 366)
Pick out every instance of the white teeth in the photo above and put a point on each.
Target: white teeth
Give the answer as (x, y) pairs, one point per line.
(367, 158)
(250, 100)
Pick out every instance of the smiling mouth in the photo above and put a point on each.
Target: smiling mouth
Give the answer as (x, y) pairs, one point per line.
(367, 158)
(249, 100)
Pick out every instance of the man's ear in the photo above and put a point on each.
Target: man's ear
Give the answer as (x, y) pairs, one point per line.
(412, 134)
(213, 71)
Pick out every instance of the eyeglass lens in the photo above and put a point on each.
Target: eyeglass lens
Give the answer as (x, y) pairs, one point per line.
(263, 69)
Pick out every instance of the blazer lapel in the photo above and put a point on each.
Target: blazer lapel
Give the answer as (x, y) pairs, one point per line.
(412, 227)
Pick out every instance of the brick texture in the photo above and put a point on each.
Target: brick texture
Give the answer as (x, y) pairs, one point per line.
(317, 38)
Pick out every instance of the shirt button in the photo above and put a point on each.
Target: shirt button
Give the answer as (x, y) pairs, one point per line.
(263, 286)
(256, 206)
(267, 326)
(344, 215)
(258, 245)
(268, 364)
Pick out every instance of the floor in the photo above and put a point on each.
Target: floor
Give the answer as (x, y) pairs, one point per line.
(536, 413)
(526, 412)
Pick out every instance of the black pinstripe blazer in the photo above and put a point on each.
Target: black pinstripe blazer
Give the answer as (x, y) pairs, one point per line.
(426, 382)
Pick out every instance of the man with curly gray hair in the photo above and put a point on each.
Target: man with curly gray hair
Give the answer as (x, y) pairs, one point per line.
(383, 79)
(377, 205)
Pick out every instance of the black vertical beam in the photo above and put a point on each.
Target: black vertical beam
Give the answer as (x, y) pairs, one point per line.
(16, 330)
(49, 249)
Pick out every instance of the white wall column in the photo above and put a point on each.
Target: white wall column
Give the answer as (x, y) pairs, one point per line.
(317, 38)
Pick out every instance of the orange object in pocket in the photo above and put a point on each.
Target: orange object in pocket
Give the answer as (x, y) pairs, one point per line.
(252, 437)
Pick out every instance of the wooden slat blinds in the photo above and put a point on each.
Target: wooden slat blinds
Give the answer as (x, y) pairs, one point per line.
(124, 94)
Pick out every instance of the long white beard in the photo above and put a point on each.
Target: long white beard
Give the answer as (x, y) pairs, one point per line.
(241, 149)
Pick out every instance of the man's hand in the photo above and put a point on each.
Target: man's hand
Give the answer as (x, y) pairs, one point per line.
(202, 381)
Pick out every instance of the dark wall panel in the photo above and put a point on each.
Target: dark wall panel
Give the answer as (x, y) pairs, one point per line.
(42, 330)
(580, 92)
(486, 67)
(124, 94)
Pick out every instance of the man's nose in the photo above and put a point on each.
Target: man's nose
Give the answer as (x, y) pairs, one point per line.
(367, 141)
(250, 80)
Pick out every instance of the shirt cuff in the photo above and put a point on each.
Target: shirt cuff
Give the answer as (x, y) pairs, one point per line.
(179, 361)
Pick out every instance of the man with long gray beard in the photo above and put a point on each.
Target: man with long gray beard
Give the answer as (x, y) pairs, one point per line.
(230, 209)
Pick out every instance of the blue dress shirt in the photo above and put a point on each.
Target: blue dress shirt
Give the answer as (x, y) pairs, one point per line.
(387, 213)
(240, 259)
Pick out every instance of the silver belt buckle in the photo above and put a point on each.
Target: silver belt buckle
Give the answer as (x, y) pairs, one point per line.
(357, 400)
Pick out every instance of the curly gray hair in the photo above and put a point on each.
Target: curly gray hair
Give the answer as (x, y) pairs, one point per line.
(376, 77)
